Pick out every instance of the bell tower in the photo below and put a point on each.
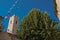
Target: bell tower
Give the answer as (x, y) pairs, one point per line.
(13, 25)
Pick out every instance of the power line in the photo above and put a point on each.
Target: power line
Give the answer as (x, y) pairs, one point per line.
(14, 5)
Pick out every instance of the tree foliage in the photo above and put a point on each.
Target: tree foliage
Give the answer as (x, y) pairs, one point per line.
(37, 25)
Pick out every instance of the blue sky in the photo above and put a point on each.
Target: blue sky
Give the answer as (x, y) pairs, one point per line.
(27, 5)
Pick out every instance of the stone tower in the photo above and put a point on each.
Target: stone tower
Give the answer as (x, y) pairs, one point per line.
(13, 25)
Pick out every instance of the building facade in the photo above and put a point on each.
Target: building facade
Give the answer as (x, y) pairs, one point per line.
(13, 25)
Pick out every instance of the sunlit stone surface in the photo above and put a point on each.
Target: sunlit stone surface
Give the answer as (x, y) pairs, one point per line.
(58, 8)
(4, 36)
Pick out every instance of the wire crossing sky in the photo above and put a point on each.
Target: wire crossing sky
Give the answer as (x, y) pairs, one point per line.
(13, 5)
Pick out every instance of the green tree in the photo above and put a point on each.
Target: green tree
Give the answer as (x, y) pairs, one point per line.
(37, 25)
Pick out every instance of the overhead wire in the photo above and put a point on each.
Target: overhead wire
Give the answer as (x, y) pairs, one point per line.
(14, 5)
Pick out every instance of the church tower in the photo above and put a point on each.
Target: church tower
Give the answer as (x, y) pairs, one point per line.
(13, 25)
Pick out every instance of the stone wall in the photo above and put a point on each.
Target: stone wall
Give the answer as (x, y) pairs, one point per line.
(6, 36)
